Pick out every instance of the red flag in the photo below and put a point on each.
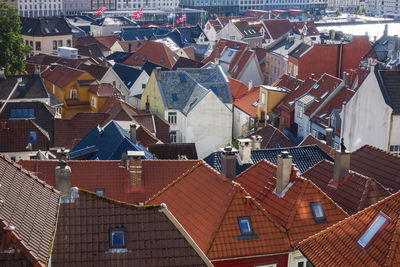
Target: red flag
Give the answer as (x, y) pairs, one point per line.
(178, 21)
(184, 17)
(98, 11)
(141, 12)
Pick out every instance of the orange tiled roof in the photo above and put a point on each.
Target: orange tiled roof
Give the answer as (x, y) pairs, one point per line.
(108, 40)
(311, 140)
(62, 75)
(292, 211)
(338, 245)
(238, 89)
(208, 205)
(245, 103)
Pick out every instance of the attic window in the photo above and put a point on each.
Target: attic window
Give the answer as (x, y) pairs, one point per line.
(324, 95)
(255, 104)
(182, 78)
(378, 225)
(144, 58)
(318, 212)
(99, 191)
(174, 97)
(117, 238)
(246, 229)
(136, 57)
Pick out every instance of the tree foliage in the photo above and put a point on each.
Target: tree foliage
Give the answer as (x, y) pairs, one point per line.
(12, 48)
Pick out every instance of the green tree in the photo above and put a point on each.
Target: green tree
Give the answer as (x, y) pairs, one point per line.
(337, 12)
(12, 48)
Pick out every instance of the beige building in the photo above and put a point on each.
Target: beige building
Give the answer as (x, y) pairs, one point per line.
(45, 35)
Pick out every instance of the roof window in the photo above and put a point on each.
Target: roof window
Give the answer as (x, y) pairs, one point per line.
(182, 78)
(315, 87)
(174, 97)
(230, 53)
(162, 60)
(318, 212)
(56, 30)
(46, 30)
(30, 29)
(99, 191)
(136, 57)
(246, 229)
(378, 225)
(324, 95)
(255, 104)
(117, 238)
(144, 58)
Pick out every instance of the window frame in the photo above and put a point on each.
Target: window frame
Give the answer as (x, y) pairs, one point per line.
(376, 235)
(38, 45)
(117, 229)
(71, 93)
(172, 137)
(97, 190)
(172, 117)
(55, 45)
(246, 235)
(93, 102)
(318, 220)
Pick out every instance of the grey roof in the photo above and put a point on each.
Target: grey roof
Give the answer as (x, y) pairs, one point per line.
(391, 89)
(32, 86)
(142, 33)
(44, 26)
(304, 157)
(299, 51)
(114, 21)
(246, 29)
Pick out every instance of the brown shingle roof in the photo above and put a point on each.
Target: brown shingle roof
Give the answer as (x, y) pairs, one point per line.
(277, 27)
(354, 193)
(135, 45)
(208, 205)
(293, 210)
(108, 40)
(272, 137)
(96, 71)
(174, 150)
(245, 103)
(31, 206)
(311, 140)
(102, 90)
(153, 237)
(62, 75)
(338, 245)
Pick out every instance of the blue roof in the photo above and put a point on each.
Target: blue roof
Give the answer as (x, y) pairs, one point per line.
(149, 66)
(176, 37)
(108, 143)
(127, 73)
(142, 33)
(118, 56)
(191, 33)
(304, 157)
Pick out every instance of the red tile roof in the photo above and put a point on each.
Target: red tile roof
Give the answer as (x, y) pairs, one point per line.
(215, 24)
(156, 52)
(225, 43)
(354, 193)
(152, 236)
(311, 28)
(68, 130)
(102, 90)
(108, 40)
(293, 210)
(272, 137)
(311, 140)
(276, 27)
(245, 103)
(62, 76)
(338, 245)
(15, 136)
(288, 82)
(108, 175)
(31, 206)
(208, 205)
(238, 89)
(145, 137)
(379, 164)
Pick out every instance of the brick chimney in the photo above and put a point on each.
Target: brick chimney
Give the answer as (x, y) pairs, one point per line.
(228, 162)
(245, 150)
(63, 180)
(342, 163)
(329, 133)
(256, 142)
(283, 171)
(132, 131)
(135, 168)
(158, 73)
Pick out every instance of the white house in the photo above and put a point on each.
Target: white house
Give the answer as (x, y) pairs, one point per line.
(245, 113)
(372, 115)
(241, 30)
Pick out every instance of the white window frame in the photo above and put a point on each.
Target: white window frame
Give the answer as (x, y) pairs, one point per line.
(172, 117)
(395, 149)
(73, 93)
(263, 98)
(300, 110)
(94, 102)
(172, 137)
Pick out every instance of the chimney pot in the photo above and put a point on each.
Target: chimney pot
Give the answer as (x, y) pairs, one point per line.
(250, 84)
(228, 162)
(132, 131)
(329, 133)
(63, 180)
(37, 70)
(245, 150)
(312, 76)
(158, 73)
(283, 171)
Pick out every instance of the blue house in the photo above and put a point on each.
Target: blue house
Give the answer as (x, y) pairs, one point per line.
(108, 143)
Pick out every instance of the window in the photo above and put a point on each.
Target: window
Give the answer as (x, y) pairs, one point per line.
(174, 97)
(60, 43)
(263, 98)
(379, 224)
(33, 137)
(54, 45)
(318, 212)
(246, 229)
(144, 58)
(99, 191)
(172, 117)
(299, 111)
(162, 60)
(74, 94)
(182, 78)
(69, 43)
(395, 150)
(94, 104)
(136, 57)
(172, 137)
(114, 83)
(38, 46)
(230, 53)
(23, 113)
(117, 238)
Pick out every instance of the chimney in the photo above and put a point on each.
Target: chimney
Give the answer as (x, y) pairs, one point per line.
(64, 66)
(129, 48)
(250, 84)
(158, 73)
(245, 150)
(132, 131)
(345, 79)
(297, 77)
(216, 58)
(385, 32)
(329, 132)
(135, 168)
(312, 76)
(342, 163)
(228, 162)
(2, 73)
(37, 70)
(63, 180)
(283, 171)
(256, 144)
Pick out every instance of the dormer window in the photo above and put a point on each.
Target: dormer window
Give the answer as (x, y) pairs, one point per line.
(318, 212)
(117, 238)
(246, 228)
(99, 191)
(378, 225)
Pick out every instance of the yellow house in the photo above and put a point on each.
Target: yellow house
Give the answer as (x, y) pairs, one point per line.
(269, 97)
(151, 96)
(71, 86)
(45, 35)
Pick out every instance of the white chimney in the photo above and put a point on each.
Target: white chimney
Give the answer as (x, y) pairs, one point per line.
(245, 150)
(228, 162)
(158, 73)
(63, 180)
(250, 84)
(37, 70)
(256, 143)
(342, 164)
(283, 171)
(2, 73)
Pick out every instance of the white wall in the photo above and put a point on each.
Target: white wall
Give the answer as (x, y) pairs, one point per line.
(229, 31)
(211, 34)
(251, 72)
(209, 125)
(295, 257)
(111, 77)
(240, 120)
(366, 117)
(303, 122)
(137, 88)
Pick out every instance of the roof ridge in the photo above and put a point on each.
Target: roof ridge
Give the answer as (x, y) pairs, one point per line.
(293, 212)
(376, 149)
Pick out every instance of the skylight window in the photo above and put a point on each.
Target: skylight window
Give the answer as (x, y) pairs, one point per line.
(315, 86)
(246, 229)
(30, 29)
(144, 58)
(182, 78)
(162, 60)
(99, 191)
(323, 115)
(255, 104)
(324, 95)
(56, 30)
(230, 53)
(117, 238)
(46, 30)
(174, 97)
(379, 224)
(136, 57)
(318, 212)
